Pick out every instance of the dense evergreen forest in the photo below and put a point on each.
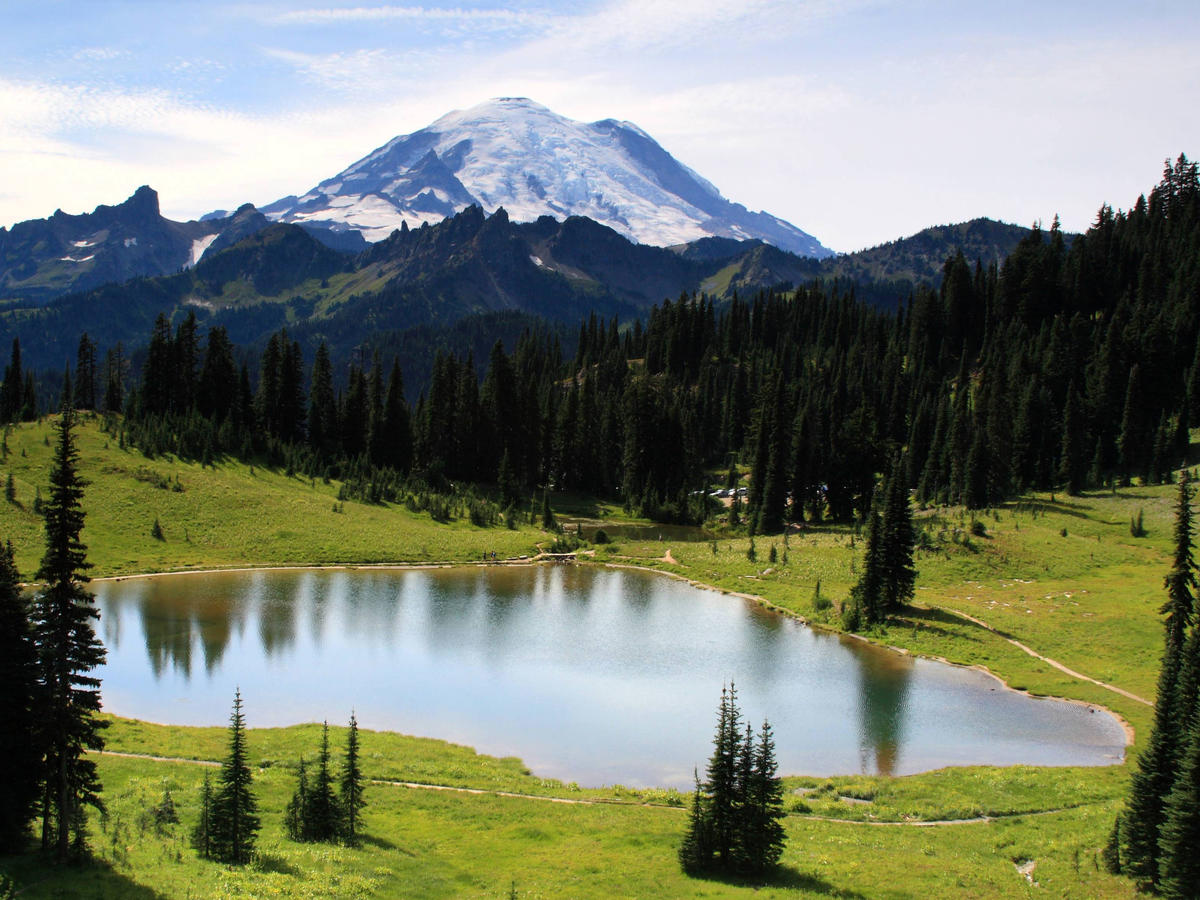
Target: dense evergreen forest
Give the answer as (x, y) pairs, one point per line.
(1061, 368)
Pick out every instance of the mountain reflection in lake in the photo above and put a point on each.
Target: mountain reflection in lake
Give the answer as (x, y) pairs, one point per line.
(589, 675)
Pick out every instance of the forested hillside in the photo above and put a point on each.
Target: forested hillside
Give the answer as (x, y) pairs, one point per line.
(1061, 368)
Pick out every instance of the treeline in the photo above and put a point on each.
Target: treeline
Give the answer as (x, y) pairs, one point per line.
(1067, 367)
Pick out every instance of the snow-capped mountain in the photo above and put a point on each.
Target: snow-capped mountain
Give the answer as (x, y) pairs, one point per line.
(514, 153)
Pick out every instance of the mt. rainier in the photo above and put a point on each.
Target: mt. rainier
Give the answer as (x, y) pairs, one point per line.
(514, 153)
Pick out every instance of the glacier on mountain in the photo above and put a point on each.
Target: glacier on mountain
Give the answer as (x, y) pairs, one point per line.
(514, 153)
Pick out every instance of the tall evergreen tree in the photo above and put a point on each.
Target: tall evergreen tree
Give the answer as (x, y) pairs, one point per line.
(763, 837)
(1179, 836)
(18, 673)
(1072, 461)
(351, 787)
(85, 373)
(114, 379)
(296, 816)
(12, 391)
(397, 437)
(695, 852)
(1157, 769)
(216, 391)
(324, 819)
(235, 822)
(734, 824)
(1180, 582)
(896, 541)
(867, 597)
(67, 649)
(322, 407)
(722, 780)
(202, 833)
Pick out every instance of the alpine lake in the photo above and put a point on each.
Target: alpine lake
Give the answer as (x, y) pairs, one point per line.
(591, 675)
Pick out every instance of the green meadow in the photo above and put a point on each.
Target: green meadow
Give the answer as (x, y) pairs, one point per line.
(1062, 576)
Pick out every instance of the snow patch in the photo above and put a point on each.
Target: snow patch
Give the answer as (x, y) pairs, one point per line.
(198, 247)
(516, 153)
(82, 244)
(131, 242)
(69, 259)
(537, 261)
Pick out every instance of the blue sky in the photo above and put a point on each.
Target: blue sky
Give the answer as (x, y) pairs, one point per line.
(859, 121)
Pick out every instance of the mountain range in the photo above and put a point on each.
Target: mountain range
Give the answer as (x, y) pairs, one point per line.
(509, 153)
(46, 258)
(505, 209)
(468, 265)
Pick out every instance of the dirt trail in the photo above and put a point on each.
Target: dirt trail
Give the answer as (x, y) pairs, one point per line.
(600, 801)
(1053, 662)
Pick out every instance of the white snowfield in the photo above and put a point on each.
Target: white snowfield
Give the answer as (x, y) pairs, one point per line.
(198, 247)
(514, 153)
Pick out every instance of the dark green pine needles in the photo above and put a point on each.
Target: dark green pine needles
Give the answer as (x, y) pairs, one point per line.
(67, 650)
(734, 826)
(1157, 837)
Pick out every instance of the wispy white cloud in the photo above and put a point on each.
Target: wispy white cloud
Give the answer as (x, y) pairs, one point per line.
(361, 72)
(73, 147)
(504, 18)
(99, 54)
(695, 25)
(793, 106)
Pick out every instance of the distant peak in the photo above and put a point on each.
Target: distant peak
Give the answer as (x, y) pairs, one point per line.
(144, 198)
(512, 103)
(515, 153)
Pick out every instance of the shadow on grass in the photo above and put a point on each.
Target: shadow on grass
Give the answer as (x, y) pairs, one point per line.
(372, 840)
(269, 862)
(786, 877)
(938, 622)
(1067, 507)
(95, 878)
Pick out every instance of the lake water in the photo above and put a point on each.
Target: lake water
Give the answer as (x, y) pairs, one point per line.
(589, 675)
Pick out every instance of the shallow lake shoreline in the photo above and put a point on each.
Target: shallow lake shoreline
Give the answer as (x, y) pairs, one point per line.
(1127, 728)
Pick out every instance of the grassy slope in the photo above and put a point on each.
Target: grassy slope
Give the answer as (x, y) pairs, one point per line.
(1088, 599)
(228, 515)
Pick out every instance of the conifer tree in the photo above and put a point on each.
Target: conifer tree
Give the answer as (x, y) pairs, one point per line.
(734, 822)
(695, 852)
(202, 833)
(763, 839)
(351, 785)
(11, 392)
(67, 650)
(324, 818)
(216, 390)
(235, 821)
(896, 542)
(867, 596)
(1157, 767)
(114, 379)
(18, 674)
(322, 407)
(397, 424)
(1071, 460)
(85, 373)
(722, 781)
(1180, 582)
(296, 816)
(1179, 837)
